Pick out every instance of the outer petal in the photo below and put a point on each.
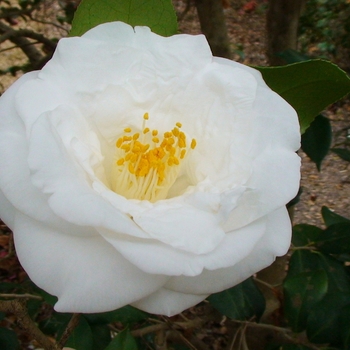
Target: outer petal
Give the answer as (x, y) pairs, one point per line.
(155, 257)
(86, 273)
(8, 211)
(183, 292)
(15, 182)
(274, 242)
(167, 302)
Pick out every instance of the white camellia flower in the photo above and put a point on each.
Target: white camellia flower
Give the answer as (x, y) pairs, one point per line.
(141, 170)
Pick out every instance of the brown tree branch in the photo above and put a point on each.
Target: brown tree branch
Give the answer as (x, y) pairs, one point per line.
(74, 321)
(18, 308)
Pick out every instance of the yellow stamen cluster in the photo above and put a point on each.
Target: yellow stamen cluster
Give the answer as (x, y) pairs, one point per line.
(147, 165)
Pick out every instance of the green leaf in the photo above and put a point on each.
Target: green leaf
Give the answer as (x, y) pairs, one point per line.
(8, 339)
(159, 15)
(101, 336)
(293, 56)
(302, 292)
(308, 261)
(335, 239)
(308, 86)
(81, 337)
(56, 323)
(305, 235)
(123, 341)
(330, 218)
(317, 139)
(342, 153)
(240, 302)
(344, 321)
(324, 324)
(126, 315)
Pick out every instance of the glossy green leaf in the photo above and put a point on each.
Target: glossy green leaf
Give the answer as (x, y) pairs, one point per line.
(56, 323)
(305, 235)
(342, 153)
(8, 339)
(240, 302)
(324, 323)
(330, 218)
(126, 315)
(308, 86)
(101, 336)
(317, 139)
(159, 15)
(123, 341)
(293, 56)
(302, 292)
(81, 337)
(344, 321)
(335, 239)
(306, 261)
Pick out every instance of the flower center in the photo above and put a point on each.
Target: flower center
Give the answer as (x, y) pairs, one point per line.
(147, 165)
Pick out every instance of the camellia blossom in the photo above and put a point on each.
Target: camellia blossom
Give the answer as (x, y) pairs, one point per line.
(138, 169)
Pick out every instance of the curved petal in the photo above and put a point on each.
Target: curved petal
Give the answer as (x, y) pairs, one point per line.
(274, 242)
(155, 257)
(15, 182)
(85, 273)
(274, 181)
(69, 192)
(167, 302)
(183, 227)
(7, 211)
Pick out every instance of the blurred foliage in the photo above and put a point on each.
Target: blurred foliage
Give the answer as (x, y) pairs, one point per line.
(324, 30)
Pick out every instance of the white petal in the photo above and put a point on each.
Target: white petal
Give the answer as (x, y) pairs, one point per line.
(155, 257)
(182, 226)
(85, 273)
(7, 211)
(15, 182)
(274, 242)
(274, 181)
(167, 302)
(70, 195)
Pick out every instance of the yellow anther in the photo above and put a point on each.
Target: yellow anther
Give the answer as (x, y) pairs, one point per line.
(182, 143)
(182, 135)
(193, 144)
(175, 132)
(147, 166)
(131, 168)
(126, 147)
(119, 142)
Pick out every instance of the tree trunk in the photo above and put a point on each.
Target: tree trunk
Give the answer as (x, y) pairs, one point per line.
(282, 28)
(213, 26)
